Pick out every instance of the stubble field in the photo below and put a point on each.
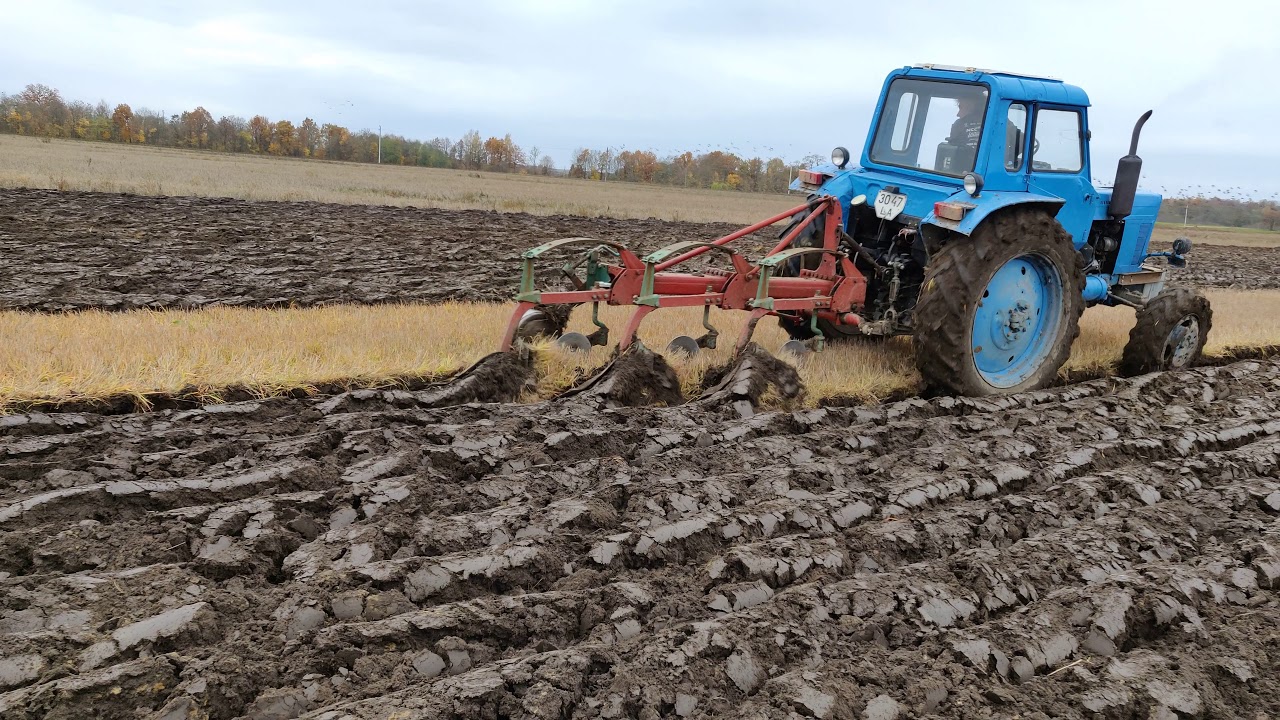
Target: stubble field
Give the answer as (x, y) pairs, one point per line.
(1102, 549)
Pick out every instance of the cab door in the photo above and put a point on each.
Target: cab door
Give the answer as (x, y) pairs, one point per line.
(1060, 165)
(1012, 163)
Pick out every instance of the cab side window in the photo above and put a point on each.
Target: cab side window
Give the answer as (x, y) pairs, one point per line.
(1058, 142)
(1015, 136)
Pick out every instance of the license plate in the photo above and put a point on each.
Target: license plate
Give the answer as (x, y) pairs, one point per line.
(888, 204)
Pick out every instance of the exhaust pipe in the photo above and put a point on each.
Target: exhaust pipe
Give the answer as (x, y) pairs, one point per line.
(1127, 174)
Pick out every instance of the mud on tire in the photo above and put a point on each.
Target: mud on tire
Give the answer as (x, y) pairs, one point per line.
(954, 283)
(1151, 345)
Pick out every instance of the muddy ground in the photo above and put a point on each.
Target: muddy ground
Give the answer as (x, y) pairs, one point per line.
(73, 250)
(1109, 549)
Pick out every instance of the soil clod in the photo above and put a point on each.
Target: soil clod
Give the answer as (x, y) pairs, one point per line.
(497, 377)
(742, 382)
(635, 377)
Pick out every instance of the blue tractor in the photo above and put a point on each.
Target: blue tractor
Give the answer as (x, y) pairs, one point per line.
(972, 215)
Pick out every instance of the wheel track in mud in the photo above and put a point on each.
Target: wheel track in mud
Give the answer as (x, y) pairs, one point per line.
(1109, 547)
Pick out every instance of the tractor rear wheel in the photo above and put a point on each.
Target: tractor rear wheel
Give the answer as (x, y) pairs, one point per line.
(999, 310)
(1169, 334)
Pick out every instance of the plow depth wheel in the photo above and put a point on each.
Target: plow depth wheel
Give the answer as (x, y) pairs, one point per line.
(1169, 333)
(999, 310)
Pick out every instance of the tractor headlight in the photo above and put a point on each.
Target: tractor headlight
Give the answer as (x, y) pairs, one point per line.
(840, 157)
(973, 183)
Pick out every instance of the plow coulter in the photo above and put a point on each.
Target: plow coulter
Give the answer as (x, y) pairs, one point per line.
(803, 284)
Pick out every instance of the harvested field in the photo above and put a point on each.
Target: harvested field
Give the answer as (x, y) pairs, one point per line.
(1106, 549)
(145, 170)
(72, 251)
(142, 358)
(1218, 235)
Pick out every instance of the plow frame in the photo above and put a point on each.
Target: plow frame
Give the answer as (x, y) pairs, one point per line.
(832, 290)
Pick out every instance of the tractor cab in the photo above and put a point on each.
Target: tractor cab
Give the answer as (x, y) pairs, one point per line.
(975, 141)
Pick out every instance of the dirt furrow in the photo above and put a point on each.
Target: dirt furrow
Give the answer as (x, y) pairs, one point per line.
(75, 250)
(1045, 553)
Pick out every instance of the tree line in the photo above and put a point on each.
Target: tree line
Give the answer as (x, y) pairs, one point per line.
(41, 111)
(1229, 212)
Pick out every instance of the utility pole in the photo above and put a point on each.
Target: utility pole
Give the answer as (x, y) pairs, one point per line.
(1186, 210)
(379, 144)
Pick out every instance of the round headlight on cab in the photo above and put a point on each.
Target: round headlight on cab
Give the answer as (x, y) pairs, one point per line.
(840, 157)
(973, 183)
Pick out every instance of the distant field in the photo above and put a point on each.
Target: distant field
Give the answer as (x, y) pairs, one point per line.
(111, 167)
(1218, 235)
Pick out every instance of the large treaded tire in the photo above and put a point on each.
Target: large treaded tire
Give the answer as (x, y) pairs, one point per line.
(955, 280)
(1148, 349)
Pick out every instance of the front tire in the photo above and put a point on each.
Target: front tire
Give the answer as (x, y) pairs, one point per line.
(999, 310)
(1169, 334)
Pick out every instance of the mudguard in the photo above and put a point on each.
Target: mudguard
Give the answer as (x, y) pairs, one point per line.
(985, 204)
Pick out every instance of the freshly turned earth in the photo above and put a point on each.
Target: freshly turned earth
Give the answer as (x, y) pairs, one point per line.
(74, 250)
(1108, 549)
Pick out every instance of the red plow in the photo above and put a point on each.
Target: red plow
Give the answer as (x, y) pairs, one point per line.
(785, 282)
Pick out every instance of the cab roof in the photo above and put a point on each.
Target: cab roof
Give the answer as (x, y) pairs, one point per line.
(1008, 85)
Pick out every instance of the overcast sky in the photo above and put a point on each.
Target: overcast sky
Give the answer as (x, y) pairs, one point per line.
(752, 77)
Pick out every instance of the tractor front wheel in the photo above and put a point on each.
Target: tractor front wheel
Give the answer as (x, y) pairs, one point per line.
(1169, 334)
(999, 310)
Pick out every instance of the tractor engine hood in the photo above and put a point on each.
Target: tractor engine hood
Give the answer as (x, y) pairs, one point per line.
(850, 182)
(962, 212)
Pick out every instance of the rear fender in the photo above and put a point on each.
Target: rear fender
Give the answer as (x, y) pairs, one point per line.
(936, 230)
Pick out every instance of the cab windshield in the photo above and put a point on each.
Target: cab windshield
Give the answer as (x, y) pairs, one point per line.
(930, 125)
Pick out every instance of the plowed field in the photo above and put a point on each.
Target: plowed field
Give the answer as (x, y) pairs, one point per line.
(1105, 549)
(74, 250)
(1109, 548)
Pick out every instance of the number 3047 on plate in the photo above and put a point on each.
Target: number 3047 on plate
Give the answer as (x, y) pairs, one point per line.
(888, 204)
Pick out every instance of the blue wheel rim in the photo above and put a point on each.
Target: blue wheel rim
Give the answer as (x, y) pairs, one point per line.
(1015, 327)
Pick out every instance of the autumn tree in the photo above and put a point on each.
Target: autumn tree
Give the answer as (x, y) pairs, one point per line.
(260, 131)
(122, 122)
(470, 151)
(336, 142)
(308, 138)
(606, 163)
(231, 134)
(1270, 215)
(196, 126)
(584, 163)
(42, 110)
(637, 166)
(502, 154)
(683, 165)
(284, 139)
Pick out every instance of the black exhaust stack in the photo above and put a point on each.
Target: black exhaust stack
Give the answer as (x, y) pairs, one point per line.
(1127, 175)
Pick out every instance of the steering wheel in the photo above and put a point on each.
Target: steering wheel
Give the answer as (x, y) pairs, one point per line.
(1035, 146)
